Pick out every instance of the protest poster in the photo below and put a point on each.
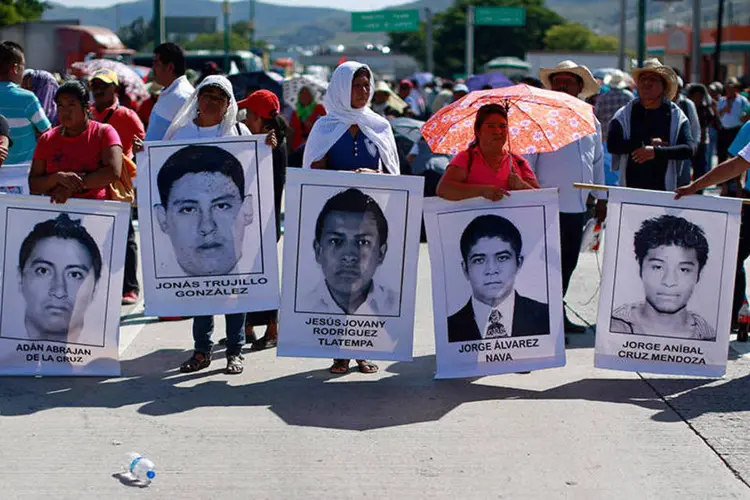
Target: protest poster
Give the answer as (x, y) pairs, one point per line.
(62, 285)
(351, 248)
(208, 230)
(14, 179)
(668, 278)
(496, 284)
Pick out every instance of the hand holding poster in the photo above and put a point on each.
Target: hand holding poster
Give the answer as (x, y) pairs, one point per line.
(496, 284)
(350, 265)
(208, 235)
(61, 287)
(667, 289)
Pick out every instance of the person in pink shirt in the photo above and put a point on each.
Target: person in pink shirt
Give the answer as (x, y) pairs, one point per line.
(79, 158)
(486, 169)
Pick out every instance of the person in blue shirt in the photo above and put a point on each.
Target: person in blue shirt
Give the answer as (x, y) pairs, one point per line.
(20, 107)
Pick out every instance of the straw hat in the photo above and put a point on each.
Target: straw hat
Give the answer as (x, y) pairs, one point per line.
(618, 80)
(665, 72)
(590, 86)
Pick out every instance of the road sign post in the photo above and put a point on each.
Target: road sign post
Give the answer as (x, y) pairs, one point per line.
(489, 16)
(386, 21)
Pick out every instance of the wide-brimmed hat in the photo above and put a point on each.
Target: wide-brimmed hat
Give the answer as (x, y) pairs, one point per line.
(733, 82)
(618, 80)
(665, 72)
(590, 86)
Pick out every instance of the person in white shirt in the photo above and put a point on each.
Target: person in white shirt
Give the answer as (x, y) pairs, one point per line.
(169, 71)
(351, 241)
(491, 256)
(581, 161)
(730, 109)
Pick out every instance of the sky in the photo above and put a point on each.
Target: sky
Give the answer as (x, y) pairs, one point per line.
(338, 4)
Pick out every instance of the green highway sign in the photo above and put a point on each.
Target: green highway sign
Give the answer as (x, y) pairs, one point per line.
(390, 21)
(500, 16)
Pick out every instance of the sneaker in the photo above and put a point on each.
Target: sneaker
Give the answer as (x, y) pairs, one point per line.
(129, 298)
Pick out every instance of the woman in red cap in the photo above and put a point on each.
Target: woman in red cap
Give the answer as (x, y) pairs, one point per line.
(263, 117)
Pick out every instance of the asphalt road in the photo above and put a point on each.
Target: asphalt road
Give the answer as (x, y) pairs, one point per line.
(285, 428)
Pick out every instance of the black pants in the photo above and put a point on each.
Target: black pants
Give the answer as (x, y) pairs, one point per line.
(130, 280)
(726, 136)
(700, 162)
(743, 252)
(571, 235)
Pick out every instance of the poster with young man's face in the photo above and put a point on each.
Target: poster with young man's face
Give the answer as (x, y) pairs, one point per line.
(61, 286)
(667, 288)
(208, 234)
(496, 284)
(350, 255)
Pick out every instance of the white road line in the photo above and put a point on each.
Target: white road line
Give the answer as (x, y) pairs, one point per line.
(128, 333)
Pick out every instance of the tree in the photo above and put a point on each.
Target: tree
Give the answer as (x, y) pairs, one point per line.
(241, 28)
(138, 34)
(576, 37)
(19, 11)
(215, 41)
(449, 28)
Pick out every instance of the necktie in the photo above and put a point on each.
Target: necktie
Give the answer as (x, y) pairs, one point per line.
(495, 328)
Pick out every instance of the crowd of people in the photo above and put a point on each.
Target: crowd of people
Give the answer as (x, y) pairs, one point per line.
(652, 132)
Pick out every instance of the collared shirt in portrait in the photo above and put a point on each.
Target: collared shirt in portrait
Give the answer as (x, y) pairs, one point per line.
(482, 312)
(381, 301)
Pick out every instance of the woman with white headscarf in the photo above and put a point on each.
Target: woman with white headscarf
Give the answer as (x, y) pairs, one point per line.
(351, 136)
(211, 112)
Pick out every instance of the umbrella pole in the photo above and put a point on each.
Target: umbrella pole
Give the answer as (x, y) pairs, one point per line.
(506, 105)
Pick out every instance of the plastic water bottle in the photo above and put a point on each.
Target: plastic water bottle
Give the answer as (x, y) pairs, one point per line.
(140, 468)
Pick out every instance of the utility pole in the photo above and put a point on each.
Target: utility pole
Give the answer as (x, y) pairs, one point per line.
(623, 35)
(641, 32)
(429, 42)
(160, 33)
(717, 49)
(469, 41)
(251, 24)
(695, 59)
(226, 10)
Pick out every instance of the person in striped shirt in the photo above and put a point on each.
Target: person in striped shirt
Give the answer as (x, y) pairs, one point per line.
(20, 107)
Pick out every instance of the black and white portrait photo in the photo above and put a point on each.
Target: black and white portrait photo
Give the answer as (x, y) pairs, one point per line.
(667, 283)
(62, 273)
(671, 253)
(206, 210)
(496, 284)
(350, 255)
(491, 258)
(350, 246)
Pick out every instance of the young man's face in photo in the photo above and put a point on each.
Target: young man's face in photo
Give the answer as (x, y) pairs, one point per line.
(349, 251)
(205, 219)
(58, 285)
(491, 267)
(669, 275)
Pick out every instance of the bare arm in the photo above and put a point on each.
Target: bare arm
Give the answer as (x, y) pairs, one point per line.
(453, 187)
(108, 172)
(42, 183)
(728, 170)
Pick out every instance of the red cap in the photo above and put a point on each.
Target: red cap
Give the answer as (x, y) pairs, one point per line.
(406, 83)
(263, 103)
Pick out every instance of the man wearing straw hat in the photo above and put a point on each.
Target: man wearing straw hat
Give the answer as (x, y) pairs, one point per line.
(650, 137)
(581, 161)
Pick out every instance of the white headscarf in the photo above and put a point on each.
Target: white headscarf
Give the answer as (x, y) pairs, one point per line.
(340, 116)
(189, 111)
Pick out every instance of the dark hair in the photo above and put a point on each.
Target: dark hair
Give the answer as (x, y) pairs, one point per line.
(11, 54)
(215, 86)
(485, 112)
(61, 227)
(363, 71)
(448, 85)
(196, 160)
(74, 89)
(490, 226)
(277, 125)
(669, 230)
(171, 53)
(532, 82)
(354, 201)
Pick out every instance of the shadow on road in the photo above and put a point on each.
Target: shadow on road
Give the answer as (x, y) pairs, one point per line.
(312, 399)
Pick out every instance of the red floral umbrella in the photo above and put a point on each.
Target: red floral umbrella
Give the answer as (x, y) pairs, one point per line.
(539, 120)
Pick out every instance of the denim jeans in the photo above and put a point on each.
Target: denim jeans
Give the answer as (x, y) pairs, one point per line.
(203, 327)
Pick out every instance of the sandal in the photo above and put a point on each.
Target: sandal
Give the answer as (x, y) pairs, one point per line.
(234, 365)
(367, 366)
(339, 367)
(198, 361)
(263, 344)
